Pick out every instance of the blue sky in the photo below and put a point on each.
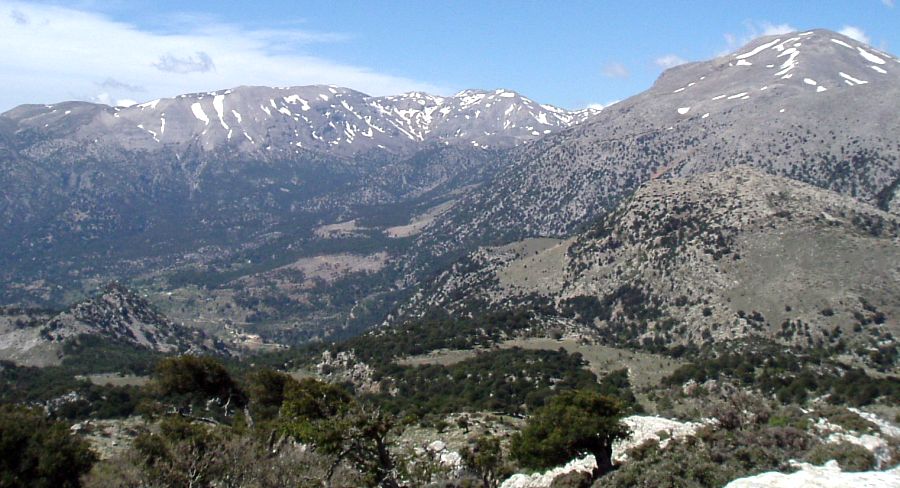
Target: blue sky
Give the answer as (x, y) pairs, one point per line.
(571, 53)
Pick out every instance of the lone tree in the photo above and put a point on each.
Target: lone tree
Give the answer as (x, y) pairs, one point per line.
(330, 419)
(190, 381)
(572, 424)
(485, 459)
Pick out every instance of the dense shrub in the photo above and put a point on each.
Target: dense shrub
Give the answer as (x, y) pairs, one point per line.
(39, 452)
(850, 457)
(712, 458)
(792, 376)
(505, 380)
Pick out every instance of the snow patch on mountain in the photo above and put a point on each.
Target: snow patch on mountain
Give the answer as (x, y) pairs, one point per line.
(199, 113)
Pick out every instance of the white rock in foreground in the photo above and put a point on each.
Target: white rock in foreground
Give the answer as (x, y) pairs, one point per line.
(586, 464)
(827, 476)
(644, 428)
(879, 448)
(876, 444)
(884, 426)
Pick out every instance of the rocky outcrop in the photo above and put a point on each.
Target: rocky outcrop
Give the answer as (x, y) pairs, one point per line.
(652, 428)
(344, 367)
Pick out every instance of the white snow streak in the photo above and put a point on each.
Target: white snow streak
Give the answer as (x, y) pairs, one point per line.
(758, 49)
(869, 56)
(851, 79)
(199, 113)
(219, 106)
(842, 43)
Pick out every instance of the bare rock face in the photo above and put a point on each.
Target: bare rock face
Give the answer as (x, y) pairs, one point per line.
(585, 465)
(345, 367)
(646, 428)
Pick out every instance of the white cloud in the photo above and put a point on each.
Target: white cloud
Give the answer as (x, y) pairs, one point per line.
(51, 53)
(601, 106)
(752, 31)
(615, 70)
(855, 33)
(769, 29)
(888, 3)
(669, 61)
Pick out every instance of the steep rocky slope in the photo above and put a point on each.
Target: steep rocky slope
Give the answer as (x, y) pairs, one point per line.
(707, 258)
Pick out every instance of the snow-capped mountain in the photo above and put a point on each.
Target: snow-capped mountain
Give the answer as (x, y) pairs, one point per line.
(770, 69)
(228, 170)
(320, 118)
(815, 106)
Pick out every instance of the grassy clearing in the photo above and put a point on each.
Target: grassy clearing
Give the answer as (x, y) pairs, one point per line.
(645, 370)
(115, 379)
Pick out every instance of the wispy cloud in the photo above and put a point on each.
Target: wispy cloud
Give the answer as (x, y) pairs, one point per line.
(768, 29)
(615, 70)
(669, 61)
(18, 17)
(201, 63)
(888, 3)
(52, 53)
(114, 84)
(855, 33)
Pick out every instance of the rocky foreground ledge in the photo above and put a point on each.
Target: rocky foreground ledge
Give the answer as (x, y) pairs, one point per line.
(827, 476)
(662, 430)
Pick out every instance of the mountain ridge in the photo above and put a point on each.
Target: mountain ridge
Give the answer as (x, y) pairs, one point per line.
(325, 118)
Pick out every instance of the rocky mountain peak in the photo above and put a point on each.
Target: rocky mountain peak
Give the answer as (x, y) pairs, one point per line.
(770, 67)
(119, 314)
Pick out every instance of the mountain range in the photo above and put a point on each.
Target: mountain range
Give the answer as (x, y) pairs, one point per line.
(276, 122)
(115, 187)
(315, 212)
